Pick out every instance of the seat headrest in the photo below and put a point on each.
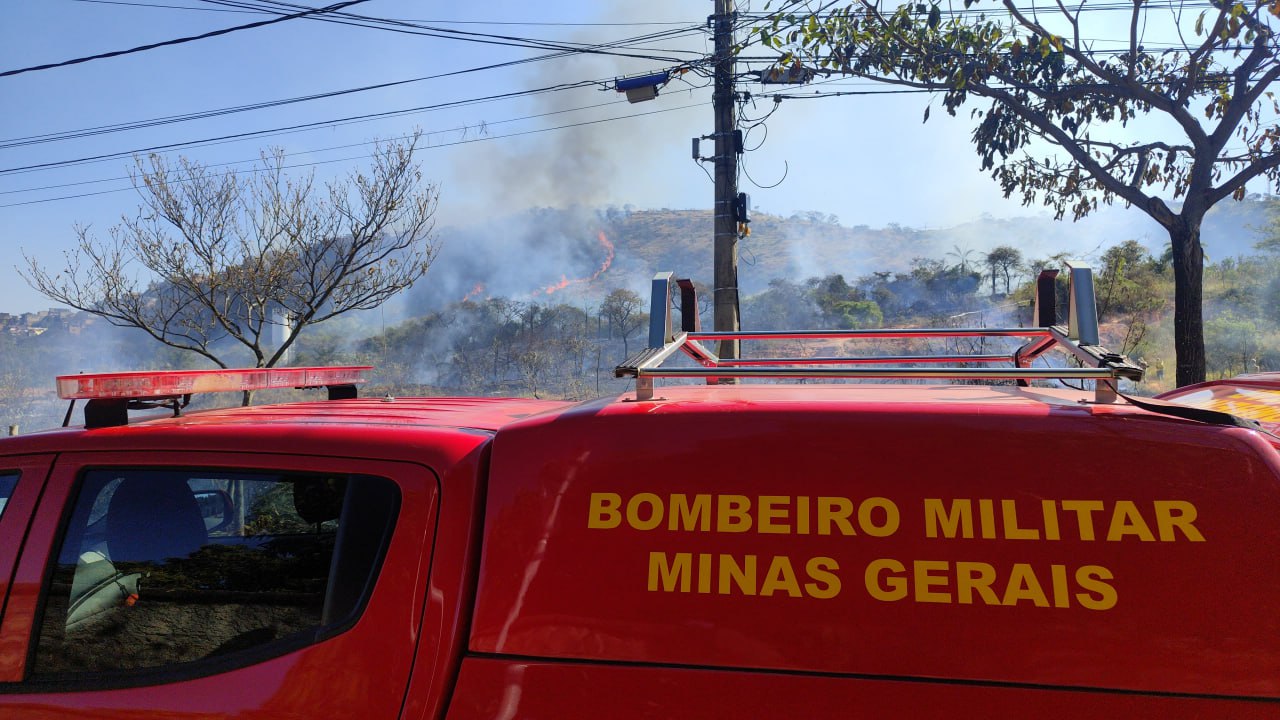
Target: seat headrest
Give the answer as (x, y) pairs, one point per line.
(152, 519)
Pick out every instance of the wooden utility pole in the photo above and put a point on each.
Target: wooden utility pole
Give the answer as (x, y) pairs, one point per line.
(726, 176)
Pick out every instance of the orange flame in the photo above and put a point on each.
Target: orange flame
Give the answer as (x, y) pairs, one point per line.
(608, 255)
(604, 267)
(564, 283)
(479, 288)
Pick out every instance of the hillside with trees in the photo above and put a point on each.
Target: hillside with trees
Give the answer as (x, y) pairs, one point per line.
(561, 333)
(1060, 125)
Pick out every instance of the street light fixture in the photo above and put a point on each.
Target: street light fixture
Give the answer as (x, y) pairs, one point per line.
(643, 87)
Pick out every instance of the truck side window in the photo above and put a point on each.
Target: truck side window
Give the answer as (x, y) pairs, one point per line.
(8, 481)
(165, 568)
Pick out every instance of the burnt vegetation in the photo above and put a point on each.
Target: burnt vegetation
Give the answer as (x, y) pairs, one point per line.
(527, 341)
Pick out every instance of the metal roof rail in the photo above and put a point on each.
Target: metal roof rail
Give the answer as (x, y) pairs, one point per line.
(1079, 338)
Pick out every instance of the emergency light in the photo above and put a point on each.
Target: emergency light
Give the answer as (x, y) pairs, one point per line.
(167, 384)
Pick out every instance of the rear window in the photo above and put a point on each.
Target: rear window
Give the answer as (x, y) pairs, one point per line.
(8, 481)
(159, 569)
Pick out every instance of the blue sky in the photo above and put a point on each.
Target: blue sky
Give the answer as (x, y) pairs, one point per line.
(867, 159)
(848, 156)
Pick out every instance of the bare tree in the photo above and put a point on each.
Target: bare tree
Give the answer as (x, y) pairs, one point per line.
(621, 309)
(234, 262)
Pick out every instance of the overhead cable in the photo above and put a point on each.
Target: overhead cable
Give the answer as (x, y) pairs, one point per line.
(432, 147)
(256, 133)
(217, 112)
(179, 41)
(338, 147)
(409, 28)
(434, 22)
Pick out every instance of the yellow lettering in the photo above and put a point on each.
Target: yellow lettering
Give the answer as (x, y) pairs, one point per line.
(1084, 510)
(768, 514)
(826, 584)
(1060, 599)
(686, 516)
(802, 515)
(1050, 520)
(887, 588)
(1126, 520)
(1009, 511)
(958, 519)
(987, 519)
(925, 582)
(704, 573)
(744, 576)
(604, 511)
(971, 576)
(835, 510)
(1179, 514)
(634, 518)
(781, 576)
(1092, 578)
(733, 513)
(1023, 585)
(669, 575)
(892, 519)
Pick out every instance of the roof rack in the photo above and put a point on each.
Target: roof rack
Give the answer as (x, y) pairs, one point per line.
(1078, 337)
(112, 395)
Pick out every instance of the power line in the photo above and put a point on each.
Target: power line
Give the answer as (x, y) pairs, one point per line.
(280, 130)
(1125, 5)
(525, 23)
(217, 112)
(179, 41)
(409, 28)
(310, 151)
(432, 147)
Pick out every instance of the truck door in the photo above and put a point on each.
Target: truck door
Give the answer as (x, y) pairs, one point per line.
(21, 480)
(221, 585)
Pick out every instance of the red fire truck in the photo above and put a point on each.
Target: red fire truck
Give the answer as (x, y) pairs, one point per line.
(907, 547)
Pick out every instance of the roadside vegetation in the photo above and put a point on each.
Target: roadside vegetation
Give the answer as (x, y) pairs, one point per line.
(541, 346)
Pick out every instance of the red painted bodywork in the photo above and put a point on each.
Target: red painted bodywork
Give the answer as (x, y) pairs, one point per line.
(1190, 616)
(410, 633)
(498, 600)
(503, 688)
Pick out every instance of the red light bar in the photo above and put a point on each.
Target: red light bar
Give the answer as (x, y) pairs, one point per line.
(146, 384)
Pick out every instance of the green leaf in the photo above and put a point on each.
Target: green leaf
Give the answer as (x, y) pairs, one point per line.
(1200, 24)
(935, 16)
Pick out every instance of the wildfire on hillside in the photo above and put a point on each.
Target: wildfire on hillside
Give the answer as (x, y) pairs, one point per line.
(475, 291)
(604, 267)
(564, 283)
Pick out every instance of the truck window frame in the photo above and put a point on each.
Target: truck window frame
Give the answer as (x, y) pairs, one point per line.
(207, 666)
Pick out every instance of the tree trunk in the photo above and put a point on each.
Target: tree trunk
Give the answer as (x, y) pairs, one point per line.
(1188, 298)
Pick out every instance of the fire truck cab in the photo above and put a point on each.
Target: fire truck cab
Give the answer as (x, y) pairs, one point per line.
(910, 548)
